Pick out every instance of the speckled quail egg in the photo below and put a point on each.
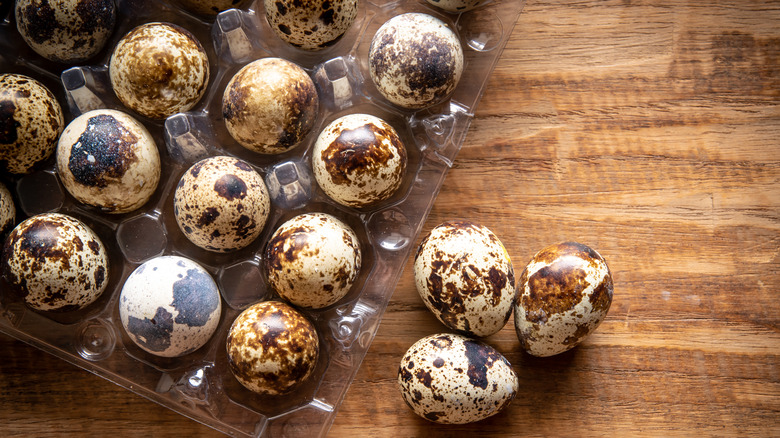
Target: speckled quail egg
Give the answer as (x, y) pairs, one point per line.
(563, 295)
(456, 5)
(312, 260)
(272, 348)
(107, 159)
(465, 277)
(415, 60)
(170, 306)
(66, 30)
(56, 263)
(7, 212)
(451, 379)
(31, 121)
(211, 7)
(270, 105)
(359, 160)
(159, 69)
(221, 204)
(310, 24)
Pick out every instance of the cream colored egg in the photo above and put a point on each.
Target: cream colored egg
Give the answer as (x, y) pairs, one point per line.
(465, 277)
(312, 260)
(310, 24)
(159, 69)
(359, 160)
(270, 105)
(56, 263)
(415, 60)
(564, 293)
(456, 5)
(32, 121)
(221, 204)
(272, 348)
(107, 159)
(7, 212)
(451, 379)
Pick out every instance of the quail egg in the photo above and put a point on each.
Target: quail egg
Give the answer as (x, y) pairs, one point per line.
(451, 379)
(310, 24)
(31, 121)
(7, 212)
(159, 69)
(312, 260)
(107, 159)
(170, 306)
(272, 348)
(56, 263)
(563, 295)
(456, 5)
(221, 204)
(465, 277)
(211, 8)
(415, 60)
(67, 31)
(359, 160)
(270, 105)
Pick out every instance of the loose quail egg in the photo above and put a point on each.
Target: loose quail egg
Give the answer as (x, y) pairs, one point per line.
(310, 24)
(465, 277)
(31, 121)
(272, 348)
(415, 60)
(563, 295)
(56, 263)
(312, 260)
(359, 160)
(270, 105)
(170, 306)
(66, 30)
(451, 379)
(7, 212)
(221, 204)
(456, 5)
(107, 159)
(159, 69)
(211, 7)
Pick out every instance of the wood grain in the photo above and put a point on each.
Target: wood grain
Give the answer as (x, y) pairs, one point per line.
(648, 130)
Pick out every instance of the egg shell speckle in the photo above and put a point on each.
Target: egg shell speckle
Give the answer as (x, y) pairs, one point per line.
(170, 306)
(451, 379)
(456, 5)
(7, 211)
(359, 160)
(32, 121)
(56, 263)
(465, 277)
(564, 293)
(310, 24)
(159, 69)
(67, 31)
(211, 8)
(312, 260)
(415, 60)
(221, 204)
(270, 105)
(107, 159)
(272, 348)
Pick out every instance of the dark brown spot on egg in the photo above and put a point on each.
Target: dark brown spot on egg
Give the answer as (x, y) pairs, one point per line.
(601, 297)
(153, 334)
(230, 187)
(438, 362)
(480, 359)
(424, 377)
(8, 125)
(555, 288)
(39, 20)
(103, 152)
(96, 15)
(281, 8)
(434, 416)
(581, 332)
(100, 276)
(195, 298)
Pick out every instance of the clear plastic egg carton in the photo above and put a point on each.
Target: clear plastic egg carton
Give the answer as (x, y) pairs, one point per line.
(200, 385)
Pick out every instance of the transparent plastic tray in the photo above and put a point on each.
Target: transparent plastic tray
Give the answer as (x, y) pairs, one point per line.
(199, 385)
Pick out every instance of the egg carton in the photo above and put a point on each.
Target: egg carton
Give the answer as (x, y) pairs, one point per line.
(199, 385)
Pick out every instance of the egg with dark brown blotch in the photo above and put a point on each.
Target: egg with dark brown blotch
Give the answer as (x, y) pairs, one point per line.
(312, 260)
(170, 306)
(159, 69)
(465, 277)
(56, 262)
(310, 24)
(359, 160)
(270, 105)
(456, 5)
(107, 159)
(221, 204)
(564, 293)
(7, 212)
(67, 31)
(31, 121)
(211, 8)
(272, 348)
(451, 379)
(415, 60)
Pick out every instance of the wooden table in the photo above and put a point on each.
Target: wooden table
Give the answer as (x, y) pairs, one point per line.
(647, 129)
